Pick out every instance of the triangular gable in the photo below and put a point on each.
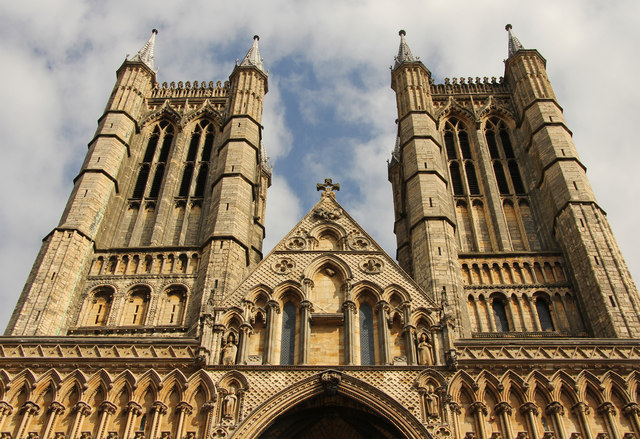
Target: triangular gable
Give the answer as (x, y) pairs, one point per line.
(306, 249)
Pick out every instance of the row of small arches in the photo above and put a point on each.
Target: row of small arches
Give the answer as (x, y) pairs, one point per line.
(519, 273)
(145, 264)
(105, 307)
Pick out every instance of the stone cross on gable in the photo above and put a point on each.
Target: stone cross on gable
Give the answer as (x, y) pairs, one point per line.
(328, 187)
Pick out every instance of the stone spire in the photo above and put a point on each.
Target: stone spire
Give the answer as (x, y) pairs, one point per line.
(404, 53)
(514, 43)
(145, 54)
(252, 58)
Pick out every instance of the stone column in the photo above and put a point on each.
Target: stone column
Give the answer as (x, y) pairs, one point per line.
(133, 410)
(209, 409)
(479, 411)
(306, 308)
(436, 334)
(555, 410)
(582, 410)
(349, 309)
(504, 412)
(534, 314)
(105, 409)
(29, 409)
(530, 411)
(5, 411)
(82, 410)
(184, 409)
(512, 315)
(158, 409)
(383, 329)
(243, 344)
(273, 309)
(55, 409)
(608, 410)
(410, 346)
(216, 345)
(455, 410)
(525, 327)
(632, 411)
(492, 322)
(206, 338)
(477, 309)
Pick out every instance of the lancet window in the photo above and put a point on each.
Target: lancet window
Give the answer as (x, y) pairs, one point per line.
(288, 346)
(154, 162)
(460, 158)
(197, 160)
(367, 340)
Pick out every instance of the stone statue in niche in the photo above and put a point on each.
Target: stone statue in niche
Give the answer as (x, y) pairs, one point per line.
(229, 351)
(431, 402)
(229, 404)
(425, 356)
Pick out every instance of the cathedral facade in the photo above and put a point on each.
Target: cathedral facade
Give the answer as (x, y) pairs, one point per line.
(151, 312)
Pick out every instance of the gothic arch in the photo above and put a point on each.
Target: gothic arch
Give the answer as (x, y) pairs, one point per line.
(200, 379)
(207, 112)
(166, 112)
(174, 380)
(229, 377)
(462, 380)
(337, 263)
(25, 379)
(259, 290)
(288, 288)
(395, 289)
(495, 110)
(587, 380)
(99, 380)
(366, 287)
(613, 382)
(488, 382)
(74, 379)
(50, 379)
(331, 383)
(150, 380)
(454, 109)
(126, 382)
(337, 231)
(429, 375)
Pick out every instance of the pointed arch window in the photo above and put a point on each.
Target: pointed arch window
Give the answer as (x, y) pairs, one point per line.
(464, 180)
(500, 315)
(502, 153)
(154, 162)
(367, 342)
(197, 160)
(288, 346)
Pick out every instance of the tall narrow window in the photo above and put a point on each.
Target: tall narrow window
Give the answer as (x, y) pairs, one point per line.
(288, 346)
(197, 160)
(154, 162)
(460, 156)
(474, 188)
(100, 307)
(456, 179)
(136, 307)
(500, 316)
(503, 186)
(544, 315)
(367, 342)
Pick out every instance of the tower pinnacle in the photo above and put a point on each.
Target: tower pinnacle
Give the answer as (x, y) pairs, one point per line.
(252, 58)
(514, 43)
(404, 53)
(145, 54)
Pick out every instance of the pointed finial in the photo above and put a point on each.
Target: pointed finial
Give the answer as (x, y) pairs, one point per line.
(252, 58)
(404, 53)
(145, 54)
(514, 43)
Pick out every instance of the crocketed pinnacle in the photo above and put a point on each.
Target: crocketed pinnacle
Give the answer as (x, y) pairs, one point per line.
(514, 43)
(253, 56)
(404, 53)
(145, 54)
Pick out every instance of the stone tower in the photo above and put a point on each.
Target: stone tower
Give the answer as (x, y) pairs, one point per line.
(170, 198)
(493, 206)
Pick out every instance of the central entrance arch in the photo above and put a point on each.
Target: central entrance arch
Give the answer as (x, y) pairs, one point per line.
(331, 404)
(334, 416)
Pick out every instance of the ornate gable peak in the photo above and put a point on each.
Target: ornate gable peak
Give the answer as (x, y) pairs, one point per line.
(166, 111)
(454, 107)
(493, 106)
(205, 109)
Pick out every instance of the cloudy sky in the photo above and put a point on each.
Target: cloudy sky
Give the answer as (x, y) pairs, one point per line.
(330, 111)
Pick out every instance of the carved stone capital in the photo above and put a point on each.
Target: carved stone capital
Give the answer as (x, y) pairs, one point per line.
(30, 408)
(107, 407)
(455, 407)
(581, 407)
(5, 408)
(330, 381)
(85, 435)
(470, 435)
(134, 408)
(607, 407)
(112, 435)
(83, 408)
(631, 408)
(139, 435)
(305, 304)
(59, 435)
(165, 435)
(602, 436)
(273, 306)
(549, 435)
(184, 407)
(554, 408)
(522, 435)
(529, 407)
(159, 407)
(208, 406)
(5, 435)
(56, 407)
(496, 435)
(33, 435)
(503, 407)
(349, 306)
(451, 358)
(629, 436)
(478, 406)
(190, 435)
(575, 435)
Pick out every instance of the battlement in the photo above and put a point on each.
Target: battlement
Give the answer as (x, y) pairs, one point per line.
(190, 90)
(470, 85)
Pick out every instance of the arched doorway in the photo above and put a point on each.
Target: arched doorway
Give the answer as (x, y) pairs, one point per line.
(326, 416)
